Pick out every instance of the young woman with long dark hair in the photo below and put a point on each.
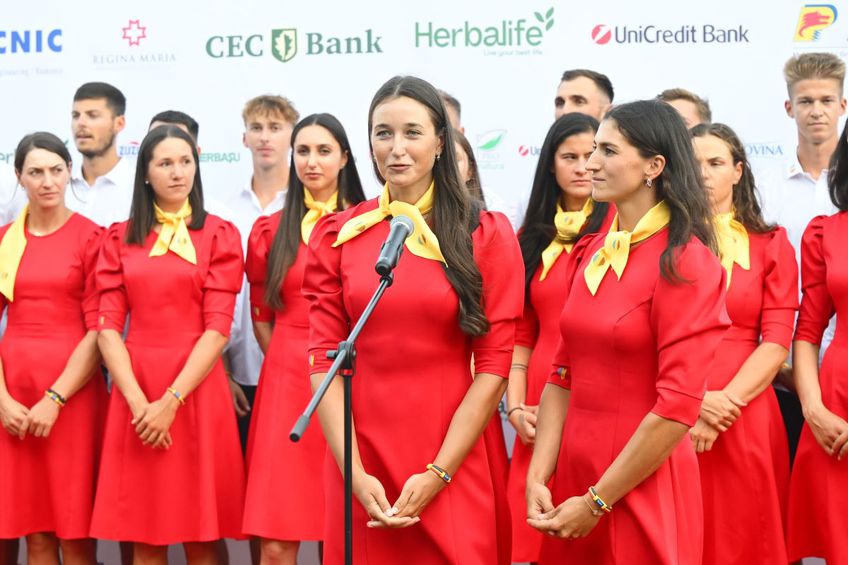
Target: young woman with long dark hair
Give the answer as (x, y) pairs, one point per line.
(284, 503)
(643, 316)
(560, 211)
(421, 472)
(52, 401)
(167, 474)
(739, 436)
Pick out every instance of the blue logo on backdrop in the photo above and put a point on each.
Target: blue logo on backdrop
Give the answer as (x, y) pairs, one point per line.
(31, 41)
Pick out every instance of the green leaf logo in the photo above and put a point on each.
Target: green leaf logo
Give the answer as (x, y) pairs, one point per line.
(490, 140)
(539, 17)
(547, 19)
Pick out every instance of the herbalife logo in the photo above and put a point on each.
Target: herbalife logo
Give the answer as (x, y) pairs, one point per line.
(506, 33)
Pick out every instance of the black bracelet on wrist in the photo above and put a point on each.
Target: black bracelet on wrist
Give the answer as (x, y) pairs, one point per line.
(511, 410)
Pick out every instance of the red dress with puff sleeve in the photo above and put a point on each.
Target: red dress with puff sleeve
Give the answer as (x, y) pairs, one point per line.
(412, 373)
(641, 344)
(285, 489)
(539, 331)
(47, 484)
(193, 491)
(818, 497)
(745, 476)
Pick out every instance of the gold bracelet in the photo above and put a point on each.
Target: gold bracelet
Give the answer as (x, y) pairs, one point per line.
(441, 473)
(177, 395)
(55, 397)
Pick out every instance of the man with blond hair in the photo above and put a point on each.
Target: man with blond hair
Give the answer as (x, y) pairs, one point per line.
(268, 123)
(692, 108)
(797, 192)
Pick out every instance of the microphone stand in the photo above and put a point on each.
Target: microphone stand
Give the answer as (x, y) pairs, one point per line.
(343, 363)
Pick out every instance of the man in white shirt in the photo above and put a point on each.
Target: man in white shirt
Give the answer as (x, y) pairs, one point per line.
(797, 192)
(101, 188)
(268, 124)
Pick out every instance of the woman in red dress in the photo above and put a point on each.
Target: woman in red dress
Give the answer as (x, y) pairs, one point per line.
(742, 447)
(284, 501)
(167, 473)
(643, 316)
(51, 400)
(559, 212)
(418, 412)
(818, 494)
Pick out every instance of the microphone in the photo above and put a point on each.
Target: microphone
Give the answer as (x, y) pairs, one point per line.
(400, 228)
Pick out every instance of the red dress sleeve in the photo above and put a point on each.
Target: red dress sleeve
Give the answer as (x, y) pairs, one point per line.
(816, 304)
(256, 265)
(322, 286)
(561, 374)
(497, 253)
(780, 290)
(527, 330)
(90, 245)
(689, 319)
(109, 280)
(223, 278)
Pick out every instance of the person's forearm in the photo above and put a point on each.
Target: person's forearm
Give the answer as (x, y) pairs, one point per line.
(263, 332)
(553, 409)
(649, 446)
(516, 390)
(331, 414)
(117, 360)
(757, 372)
(206, 352)
(80, 366)
(805, 368)
(469, 420)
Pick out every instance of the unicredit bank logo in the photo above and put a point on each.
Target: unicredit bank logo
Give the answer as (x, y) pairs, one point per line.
(30, 41)
(687, 33)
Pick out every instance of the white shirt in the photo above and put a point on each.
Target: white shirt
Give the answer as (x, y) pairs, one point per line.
(108, 200)
(246, 357)
(791, 198)
(12, 196)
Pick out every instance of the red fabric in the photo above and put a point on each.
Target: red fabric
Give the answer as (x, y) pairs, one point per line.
(195, 490)
(285, 491)
(47, 484)
(641, 344)
(818, 498)
(750, 461)
(412, 373)
(539, 331)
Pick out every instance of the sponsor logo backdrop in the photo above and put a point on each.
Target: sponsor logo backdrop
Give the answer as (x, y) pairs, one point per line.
(502, 60)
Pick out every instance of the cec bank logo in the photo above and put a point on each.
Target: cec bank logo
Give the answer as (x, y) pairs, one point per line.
(284, 44)
(813, 19)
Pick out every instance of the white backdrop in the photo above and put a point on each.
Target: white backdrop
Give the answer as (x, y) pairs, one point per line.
(208, 58)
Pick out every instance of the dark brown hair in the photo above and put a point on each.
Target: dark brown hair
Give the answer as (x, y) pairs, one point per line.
(473, 185)
(454, 216)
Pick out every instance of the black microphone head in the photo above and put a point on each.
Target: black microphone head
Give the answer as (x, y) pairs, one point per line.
(406, 221)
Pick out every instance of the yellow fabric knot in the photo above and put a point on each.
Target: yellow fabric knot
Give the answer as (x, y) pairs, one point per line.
(616, 248)
(421, 242)
(315, 211)
(174, 234)
(733, 243)
(568, 225)
(11, 252)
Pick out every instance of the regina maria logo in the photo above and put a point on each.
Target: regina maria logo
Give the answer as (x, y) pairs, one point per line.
(284, 44)
(813, 19)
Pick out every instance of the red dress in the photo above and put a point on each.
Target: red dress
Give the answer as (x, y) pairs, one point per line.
(750, 461)
(818, 497)
(412, 373)
(285, 489)
(539, 331)
(640, 345)
(47, 484)
(193, 491)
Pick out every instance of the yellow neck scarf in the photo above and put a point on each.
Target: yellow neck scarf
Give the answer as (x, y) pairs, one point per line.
(568, 225)
(174, 234)
(617, 244)
(11, 252)
(733, 243)
(422, 242)
(315, 211)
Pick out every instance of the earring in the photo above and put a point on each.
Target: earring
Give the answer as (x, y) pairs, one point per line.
(649, 183)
